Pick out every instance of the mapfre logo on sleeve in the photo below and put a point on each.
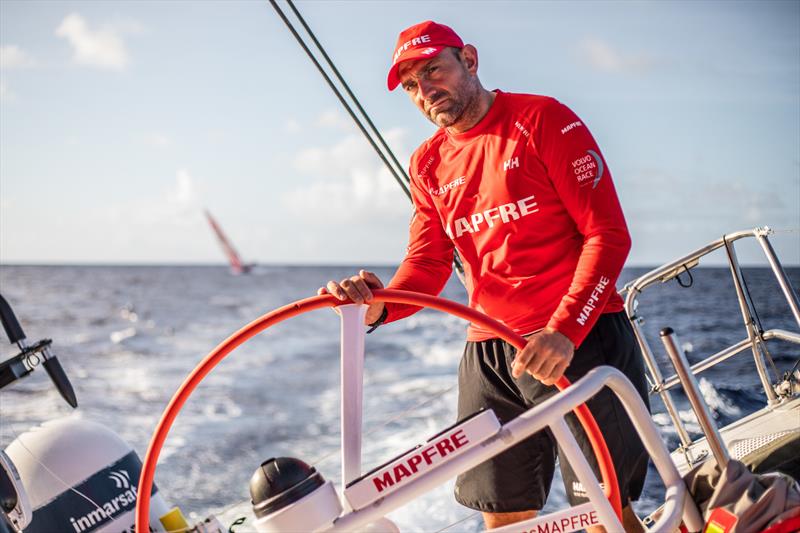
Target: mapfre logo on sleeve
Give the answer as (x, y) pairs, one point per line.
(571, 126)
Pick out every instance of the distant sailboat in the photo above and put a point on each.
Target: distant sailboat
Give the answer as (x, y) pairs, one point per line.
(237, 267)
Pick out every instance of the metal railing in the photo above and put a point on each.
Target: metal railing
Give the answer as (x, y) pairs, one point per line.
(756, 339)
(678, 505)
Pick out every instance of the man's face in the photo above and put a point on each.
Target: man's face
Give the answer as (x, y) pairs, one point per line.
(442, 88)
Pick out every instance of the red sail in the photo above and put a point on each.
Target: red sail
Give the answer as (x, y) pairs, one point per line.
(237, 267)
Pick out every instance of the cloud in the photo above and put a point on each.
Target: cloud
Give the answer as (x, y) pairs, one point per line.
(12, 56)
(350, 182)
(175, 205)
(159, 140)
(5, 93)
(293, 126)
(335, 119)
(101, 48)
(601, 56)
(734, 199)
(331, 119)
(184, 195)
(163, 224)
(691, 220)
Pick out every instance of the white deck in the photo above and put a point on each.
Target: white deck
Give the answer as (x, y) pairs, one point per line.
(748, 433)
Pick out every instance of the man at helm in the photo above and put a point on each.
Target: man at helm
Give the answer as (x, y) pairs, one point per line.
(518, 186)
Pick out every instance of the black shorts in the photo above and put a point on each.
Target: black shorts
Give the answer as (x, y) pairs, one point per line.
(519, 479)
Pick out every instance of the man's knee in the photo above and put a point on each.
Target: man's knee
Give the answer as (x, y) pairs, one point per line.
(493, 520)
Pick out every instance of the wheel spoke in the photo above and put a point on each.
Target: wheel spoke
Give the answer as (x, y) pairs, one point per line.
(352, 368)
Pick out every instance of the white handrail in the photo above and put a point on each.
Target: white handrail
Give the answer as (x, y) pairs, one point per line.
(678, 504)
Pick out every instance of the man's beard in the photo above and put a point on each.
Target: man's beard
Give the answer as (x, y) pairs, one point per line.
(459, 104)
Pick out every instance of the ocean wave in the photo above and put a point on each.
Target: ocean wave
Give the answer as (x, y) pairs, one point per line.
(119, 336)
(715, 400)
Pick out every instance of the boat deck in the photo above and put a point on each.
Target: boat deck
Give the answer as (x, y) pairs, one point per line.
(747, 434)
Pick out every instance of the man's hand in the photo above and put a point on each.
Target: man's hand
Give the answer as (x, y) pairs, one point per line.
(357, 289)
(546, 356)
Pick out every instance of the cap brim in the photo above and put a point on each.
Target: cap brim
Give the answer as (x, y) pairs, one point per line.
(428, 52)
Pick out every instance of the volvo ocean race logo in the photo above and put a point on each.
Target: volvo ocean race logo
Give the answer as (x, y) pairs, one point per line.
(589, 169)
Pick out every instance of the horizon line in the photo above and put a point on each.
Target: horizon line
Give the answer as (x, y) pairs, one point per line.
(303, 264)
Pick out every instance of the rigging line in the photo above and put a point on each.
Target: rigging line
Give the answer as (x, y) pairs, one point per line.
(341, 98)
(445, 528)
(349, 92)
(459, 266)
(762, 344)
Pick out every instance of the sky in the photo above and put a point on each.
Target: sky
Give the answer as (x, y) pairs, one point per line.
(121, 121)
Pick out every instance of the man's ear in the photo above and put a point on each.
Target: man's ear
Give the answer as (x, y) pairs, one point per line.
(469, 56)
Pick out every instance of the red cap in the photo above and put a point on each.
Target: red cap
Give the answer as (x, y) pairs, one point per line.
(424, 40)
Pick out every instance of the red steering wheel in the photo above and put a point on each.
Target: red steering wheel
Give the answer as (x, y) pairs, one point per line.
(611, 488)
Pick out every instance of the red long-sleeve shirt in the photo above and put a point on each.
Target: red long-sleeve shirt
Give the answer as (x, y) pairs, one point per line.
(527, 200)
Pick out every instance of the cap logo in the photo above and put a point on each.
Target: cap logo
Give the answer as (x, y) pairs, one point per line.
(428, 51)
(413, 42)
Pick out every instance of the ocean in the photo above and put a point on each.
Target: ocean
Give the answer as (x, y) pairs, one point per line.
(128, 336)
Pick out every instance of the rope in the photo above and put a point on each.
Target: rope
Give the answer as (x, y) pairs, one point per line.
(681, 283)
(445, 528)
(397, 170)
(762, 344)
(397, 177)
(349, 92)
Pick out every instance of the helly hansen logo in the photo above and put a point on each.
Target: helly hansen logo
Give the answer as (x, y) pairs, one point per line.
(501, 214)
(579, 491)
(511, 163)
(591, 304)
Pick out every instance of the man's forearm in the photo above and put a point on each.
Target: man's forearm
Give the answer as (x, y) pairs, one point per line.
(599, 266)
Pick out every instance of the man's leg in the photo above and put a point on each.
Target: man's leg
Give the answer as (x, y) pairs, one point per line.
(611, 342)
(493, 520)
(631, 521)
(517, 480)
